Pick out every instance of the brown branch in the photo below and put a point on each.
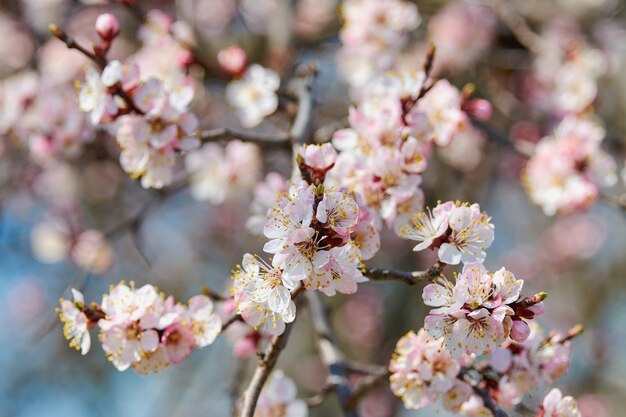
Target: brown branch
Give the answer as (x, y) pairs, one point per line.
(71, 43)
(518, 25)
(232, 319)
(330, 354)
(301, 87)
(410, 278)
(222, 133)
(100, 60)
(483, 393)
(367, 384)
(265, 366)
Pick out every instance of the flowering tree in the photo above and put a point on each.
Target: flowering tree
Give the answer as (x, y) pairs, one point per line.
(348, 187)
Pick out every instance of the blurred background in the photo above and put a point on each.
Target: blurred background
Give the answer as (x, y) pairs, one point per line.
(50, 197)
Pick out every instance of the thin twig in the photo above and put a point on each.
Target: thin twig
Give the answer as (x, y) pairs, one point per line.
(232, 319)
(100, 60)
(518, 26)
(265, 366)
(280, 140)
(330, 354)
(302, 88)
(410, 278)
(367, 384)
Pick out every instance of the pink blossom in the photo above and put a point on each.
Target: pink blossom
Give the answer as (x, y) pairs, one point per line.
(556, 405)
(107, 27)
(254, 95)
(421, 371)
(278, 397)
(232, 59)
(75, 322)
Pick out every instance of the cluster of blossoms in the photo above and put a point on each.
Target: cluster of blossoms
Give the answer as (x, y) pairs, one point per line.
(568, 167)
(567, 71)
(373, 34)
(148, 135)
(43, 116)
(215, 172)
(385, 150)
(315, 239)
(139, 327)
(422, 372)
(463, 32)
(522, 367)
(460, 232)
(477, 313)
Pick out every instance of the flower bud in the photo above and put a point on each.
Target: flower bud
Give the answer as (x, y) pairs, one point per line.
(538, 309)
(520, 330)
(246, 346)
(479, 108)
(107, 27)
(232, 60)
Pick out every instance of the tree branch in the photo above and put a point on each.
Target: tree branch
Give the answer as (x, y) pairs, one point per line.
(100, 60)
(330, 354)
(368, 383)
(410, 278)
(221, 133)
(301, 87)
(265, 366)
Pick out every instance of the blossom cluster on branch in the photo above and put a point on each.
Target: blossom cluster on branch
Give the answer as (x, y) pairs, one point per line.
(159, 115)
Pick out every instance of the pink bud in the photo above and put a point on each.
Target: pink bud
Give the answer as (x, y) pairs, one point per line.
(479, 108)
(245, 347)
(184, 59)
(107, 27)
(233, 59)
(519, 330)
(538, 309)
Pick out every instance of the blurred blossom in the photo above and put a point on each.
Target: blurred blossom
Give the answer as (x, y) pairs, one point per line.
(101, 180)
(462, 33)
(232, 59)
(311, 16)
(377, 403)
(254, 95)
(217, 172)
(359, 319)
(58, 184)
(577, 237)
(568, 167)
(567, 69)
(50, 240)
(27, 299)
(40, 13)
(592, 405)
(16, 45)
(92, 252)
(373, 34)
(465, 150)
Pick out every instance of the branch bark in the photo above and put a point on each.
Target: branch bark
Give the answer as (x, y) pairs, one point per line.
(220, 133)
(410, 278)
(265, 366)
(330, 354)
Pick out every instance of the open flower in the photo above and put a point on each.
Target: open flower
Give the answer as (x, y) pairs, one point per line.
(75, 322)
(263, 296)
(254, 95)
(556, 405)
